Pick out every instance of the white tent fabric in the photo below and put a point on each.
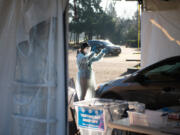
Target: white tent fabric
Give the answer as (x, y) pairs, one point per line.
(7, 62)
(31, 13)
(160, 33)
(160, 5)
(31, 65)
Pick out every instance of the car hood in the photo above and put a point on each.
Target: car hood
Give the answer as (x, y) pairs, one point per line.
(118, 81)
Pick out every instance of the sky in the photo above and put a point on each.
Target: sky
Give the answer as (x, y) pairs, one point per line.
(124, 9)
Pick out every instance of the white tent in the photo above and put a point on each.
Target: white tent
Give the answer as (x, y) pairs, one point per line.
(32, 67)
(160, 30)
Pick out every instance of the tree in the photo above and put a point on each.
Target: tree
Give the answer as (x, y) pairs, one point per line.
(93, 21)
(133, 30)
(111, 11)
(88, 11)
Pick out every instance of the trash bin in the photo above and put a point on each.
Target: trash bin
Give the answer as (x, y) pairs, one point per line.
(93, 115)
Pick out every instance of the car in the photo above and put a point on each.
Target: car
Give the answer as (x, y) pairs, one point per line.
(157, 85)
(113, 50)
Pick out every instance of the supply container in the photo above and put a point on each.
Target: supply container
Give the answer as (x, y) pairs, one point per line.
(149, 118)
(93, 115)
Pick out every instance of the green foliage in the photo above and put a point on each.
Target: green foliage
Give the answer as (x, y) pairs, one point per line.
(89, 18)
(131, 43)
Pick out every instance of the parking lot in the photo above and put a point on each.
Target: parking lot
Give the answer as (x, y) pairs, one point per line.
(109, 67)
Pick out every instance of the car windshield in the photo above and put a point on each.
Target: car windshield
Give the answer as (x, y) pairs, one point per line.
(107, 43)
(167, 72)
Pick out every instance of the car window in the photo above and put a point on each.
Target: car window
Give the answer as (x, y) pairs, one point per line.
(90, 43)
(100, 44)
(93, 43)
(107, 43)
(167, 72)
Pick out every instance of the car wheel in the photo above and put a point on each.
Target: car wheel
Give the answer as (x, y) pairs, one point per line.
(114, 54)
(117, 54)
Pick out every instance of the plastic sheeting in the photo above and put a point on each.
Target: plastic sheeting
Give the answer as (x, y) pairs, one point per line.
(160, 35)
(30, 71)
(35, 80)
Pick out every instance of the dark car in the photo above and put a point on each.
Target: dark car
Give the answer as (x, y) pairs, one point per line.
(113, 50)
(157, 85)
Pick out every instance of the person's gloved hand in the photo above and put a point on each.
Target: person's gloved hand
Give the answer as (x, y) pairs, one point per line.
(93, 49)
(105, 50)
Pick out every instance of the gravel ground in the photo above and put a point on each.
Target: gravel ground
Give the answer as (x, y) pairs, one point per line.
(109, 67)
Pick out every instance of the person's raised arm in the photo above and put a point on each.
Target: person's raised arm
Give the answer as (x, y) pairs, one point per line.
(90, 55)
(98, 57)
(85, 58)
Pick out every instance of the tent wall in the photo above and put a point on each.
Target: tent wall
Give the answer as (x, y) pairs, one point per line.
(32, 67)
(7, 62)
(160, 34)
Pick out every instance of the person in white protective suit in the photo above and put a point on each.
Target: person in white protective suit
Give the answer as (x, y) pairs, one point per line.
(86, 84)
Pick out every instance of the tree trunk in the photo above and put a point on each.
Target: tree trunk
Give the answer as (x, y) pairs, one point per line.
(70, 37)
(74, 35)
(97, 37)
(90, 36)
(102, 36)
(86, 36)
(78, 38)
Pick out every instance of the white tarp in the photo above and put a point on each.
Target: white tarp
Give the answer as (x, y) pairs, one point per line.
(160, 5)
(31, 54)
(160, 35)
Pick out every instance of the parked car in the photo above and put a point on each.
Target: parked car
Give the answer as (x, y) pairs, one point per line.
(101, 44)
(157, 85)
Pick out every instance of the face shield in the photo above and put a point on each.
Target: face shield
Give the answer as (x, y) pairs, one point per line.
(87, 50)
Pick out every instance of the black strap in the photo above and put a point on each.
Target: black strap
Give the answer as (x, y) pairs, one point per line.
(74, 122)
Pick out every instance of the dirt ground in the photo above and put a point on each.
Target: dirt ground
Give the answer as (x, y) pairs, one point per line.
(109, 67)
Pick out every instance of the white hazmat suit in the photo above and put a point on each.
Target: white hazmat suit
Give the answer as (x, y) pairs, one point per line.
(86, 83)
